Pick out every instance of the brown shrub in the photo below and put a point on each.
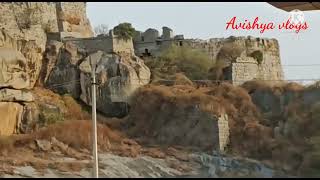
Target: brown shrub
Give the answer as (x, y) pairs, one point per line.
(74, 110)
(78, 133)
(75, 133)
(46, 96)
(6, 144)
(157, 111)
(278, 88)
(165, 114)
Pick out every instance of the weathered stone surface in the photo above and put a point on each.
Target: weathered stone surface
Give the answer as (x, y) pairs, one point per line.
(10, 113)
(249, 58)
(51, 16)
(73, 18)
(60, 145)
(50, 59)
(13, 71)
(33, 53)
(15, 95)
(118, 77)
(223, 166)
(30, 118)
(43, 145)
(64, 79)
(64, 74)
(24, 27)
(30, 44)
(242, 58)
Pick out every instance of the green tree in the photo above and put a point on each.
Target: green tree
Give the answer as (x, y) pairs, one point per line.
(124, 31)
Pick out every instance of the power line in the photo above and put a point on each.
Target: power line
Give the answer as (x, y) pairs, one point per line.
(300, 65)
(77, 82)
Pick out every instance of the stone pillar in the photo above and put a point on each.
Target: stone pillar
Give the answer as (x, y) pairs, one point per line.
(223, 128)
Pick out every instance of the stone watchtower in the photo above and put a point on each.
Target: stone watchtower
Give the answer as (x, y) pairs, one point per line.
(167, 33)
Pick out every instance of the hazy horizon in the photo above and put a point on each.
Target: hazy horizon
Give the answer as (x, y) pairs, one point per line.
(205, 20)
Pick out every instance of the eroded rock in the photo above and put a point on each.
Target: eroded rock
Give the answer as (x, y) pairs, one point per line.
(118, 77)
(15, 95)
(43, 145)
(13, 69)
(10, 113)
(30, 118)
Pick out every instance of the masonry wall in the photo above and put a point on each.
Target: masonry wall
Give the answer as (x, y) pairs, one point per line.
(73, 18)
(246, 68)
(106, 44)
(92, 45)
(120, 45)
(242, 72)
(152, 48)
(224, 132)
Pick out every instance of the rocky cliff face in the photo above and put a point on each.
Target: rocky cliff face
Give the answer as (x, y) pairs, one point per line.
(118, 76)
(23, 39)
(18, 75)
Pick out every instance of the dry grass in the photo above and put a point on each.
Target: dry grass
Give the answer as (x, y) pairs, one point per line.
(277, 89)
(6, 145)
(47, 96)
(157, 109)
(294, 151)
(77, 134)
(74, 109)
(163, 113)
(74, 133)
(193, 63)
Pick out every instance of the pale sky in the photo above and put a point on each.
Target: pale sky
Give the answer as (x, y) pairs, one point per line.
(206, 20)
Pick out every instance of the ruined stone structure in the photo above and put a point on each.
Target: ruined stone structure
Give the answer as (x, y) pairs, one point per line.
(108, 43)
(223, 132)
(242, 58)
(151, 43)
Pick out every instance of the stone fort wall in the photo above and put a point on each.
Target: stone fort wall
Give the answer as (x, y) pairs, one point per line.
(243, 67)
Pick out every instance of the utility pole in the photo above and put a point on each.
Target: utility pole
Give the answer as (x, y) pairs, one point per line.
(94, 119)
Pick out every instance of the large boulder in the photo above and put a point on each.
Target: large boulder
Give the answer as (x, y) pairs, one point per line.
(13, 69)
(10, 113)
(118, 76)
(26, 47)
(61, 74)
(50, 59)
(30, 118)
(32, 51)
(14, 95)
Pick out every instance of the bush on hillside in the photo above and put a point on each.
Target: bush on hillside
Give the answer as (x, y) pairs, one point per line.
(176, 59)
(124, 31)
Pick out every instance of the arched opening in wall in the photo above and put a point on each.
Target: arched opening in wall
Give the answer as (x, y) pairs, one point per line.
(180, 43)
(258, 55)
(146, 52)
(227, 73)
